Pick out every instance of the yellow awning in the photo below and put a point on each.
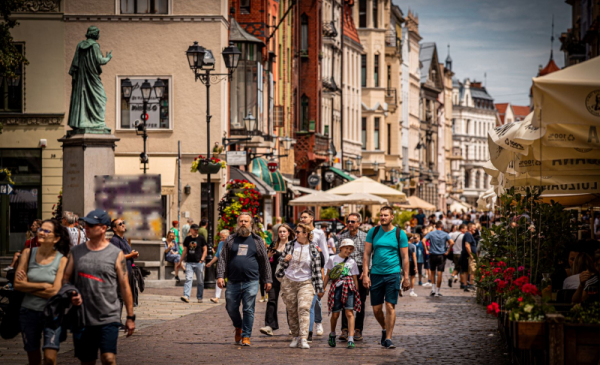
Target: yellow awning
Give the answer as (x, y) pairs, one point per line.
(166, 167)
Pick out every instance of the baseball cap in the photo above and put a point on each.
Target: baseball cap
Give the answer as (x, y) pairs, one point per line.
(97, 216)
(347, 242)
(194, 226)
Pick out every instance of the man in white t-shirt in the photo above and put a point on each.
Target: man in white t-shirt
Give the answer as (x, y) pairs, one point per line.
(76, 234)
(457, 237)
(308, 217)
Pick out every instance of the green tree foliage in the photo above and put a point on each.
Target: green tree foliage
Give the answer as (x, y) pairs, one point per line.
(10, 57)
(330, 213)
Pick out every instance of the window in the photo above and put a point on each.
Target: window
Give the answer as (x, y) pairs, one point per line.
(245, 6)
(467, 178)
(389, 139)
(478, 180)
(304, 113)
(468, 126)
(158, 110)
(304, 34)
(376, 71)
(376, 133)
(326, 130)
(244, 90)
(363, 70)
(453, 125)
(145, 6)
(11, 90)
(375, 13)
(362, 13)
(389, 77)
(364, 133)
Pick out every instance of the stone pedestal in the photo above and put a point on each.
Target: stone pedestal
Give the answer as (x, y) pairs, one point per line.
(84, 157)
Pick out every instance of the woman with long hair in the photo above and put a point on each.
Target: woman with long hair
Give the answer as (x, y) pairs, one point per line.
(285, 234)
(301, 278)
(172, 253)
(223, 236)
(39, 275)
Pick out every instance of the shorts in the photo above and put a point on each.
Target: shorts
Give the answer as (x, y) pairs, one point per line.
(385, 288)
(174, 258)
(420, 268)
(426, 265)
(411, 269)
(467, 264)
(91, 338)
(437, 262)
(456, 261)
(32, 329)
(337, 300)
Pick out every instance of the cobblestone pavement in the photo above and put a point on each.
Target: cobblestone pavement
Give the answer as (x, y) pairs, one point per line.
(447, 330)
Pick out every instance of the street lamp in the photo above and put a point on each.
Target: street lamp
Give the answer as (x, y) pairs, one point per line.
(203, 65)
(349, 165)
(376, 166)
(146, 89)
(250, 123)
(287, 143)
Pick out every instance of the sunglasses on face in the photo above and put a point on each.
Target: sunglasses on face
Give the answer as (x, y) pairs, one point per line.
(122, 223)
(45, 231)
(299, 232)
(352, 222)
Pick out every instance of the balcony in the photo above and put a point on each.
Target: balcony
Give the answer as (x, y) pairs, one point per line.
(310, 149)
(391, 98)
(329, 30)
(393, 44)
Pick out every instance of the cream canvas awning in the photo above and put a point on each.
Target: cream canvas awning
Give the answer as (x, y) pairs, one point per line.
(369, 186)
(166, 167)
(414, 202)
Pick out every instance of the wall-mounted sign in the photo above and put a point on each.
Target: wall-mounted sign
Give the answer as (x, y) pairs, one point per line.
(272, 166)
(237, 158)
(314, 180)
(329, 176)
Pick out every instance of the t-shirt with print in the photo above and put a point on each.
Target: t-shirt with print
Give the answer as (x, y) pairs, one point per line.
(336, 259)
(386, 258)
(437, 242)
(300, 267)
(411, 249)
(243, 265)
(420, 252)
(195, 248)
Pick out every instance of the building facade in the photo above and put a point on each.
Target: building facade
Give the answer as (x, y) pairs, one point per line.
(474, 115)
(32, 118)
(582, 41)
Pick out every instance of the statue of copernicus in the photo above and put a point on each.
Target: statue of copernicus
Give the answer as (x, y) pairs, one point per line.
(88, 99)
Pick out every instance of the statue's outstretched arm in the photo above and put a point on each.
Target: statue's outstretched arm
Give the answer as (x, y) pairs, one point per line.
(102, 60)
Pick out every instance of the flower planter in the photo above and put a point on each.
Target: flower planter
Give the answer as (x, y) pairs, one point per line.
(209, 168)
(528, 335)
(582, 344)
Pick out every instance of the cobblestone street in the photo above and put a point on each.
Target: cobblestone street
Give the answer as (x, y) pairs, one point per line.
(448, 330)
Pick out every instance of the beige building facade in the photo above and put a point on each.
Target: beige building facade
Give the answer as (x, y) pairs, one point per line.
(32, 116)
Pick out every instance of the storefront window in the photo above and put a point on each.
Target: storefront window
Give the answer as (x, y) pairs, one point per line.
(158, 110)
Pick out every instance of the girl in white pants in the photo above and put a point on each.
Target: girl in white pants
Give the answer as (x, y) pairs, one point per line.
(223, 235)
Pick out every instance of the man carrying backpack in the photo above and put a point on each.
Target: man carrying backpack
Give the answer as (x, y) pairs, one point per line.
(389, 246)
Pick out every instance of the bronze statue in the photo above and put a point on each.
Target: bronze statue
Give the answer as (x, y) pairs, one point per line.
(88, 99)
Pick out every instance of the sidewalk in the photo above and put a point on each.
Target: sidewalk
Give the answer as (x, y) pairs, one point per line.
(447, 330)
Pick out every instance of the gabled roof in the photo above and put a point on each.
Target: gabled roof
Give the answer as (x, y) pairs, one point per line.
(501, 108)
(520, 111)
(480, 93)
(550, 68)
(238, 34)
(428, 58)
(348, 23)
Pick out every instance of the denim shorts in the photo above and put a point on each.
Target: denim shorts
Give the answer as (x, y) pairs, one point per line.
(337, 300)
(93, 338)
(385, 288)
(32, 329)
(174, 258)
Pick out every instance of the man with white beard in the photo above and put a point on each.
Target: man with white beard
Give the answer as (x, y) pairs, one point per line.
(244, 262)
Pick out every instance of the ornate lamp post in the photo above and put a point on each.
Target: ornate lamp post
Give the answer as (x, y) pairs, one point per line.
(202, 62)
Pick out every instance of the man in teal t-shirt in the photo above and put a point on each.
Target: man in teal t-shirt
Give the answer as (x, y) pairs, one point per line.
(390, 256)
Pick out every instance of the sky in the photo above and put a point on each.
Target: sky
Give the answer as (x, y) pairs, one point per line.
(507, 40)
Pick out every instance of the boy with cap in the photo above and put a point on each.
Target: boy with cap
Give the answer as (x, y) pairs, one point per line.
(98, 269)
(194, 253)
(343, 293)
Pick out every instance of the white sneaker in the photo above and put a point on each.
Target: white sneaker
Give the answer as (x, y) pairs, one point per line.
(319, 329)
(428, 284)
(8, 268)
(294, 342)
(413, 294)
(303, 344)
(267, 330)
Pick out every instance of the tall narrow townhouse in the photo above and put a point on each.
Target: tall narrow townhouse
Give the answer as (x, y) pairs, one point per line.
(372, 18)
(445, 135)
(340, 68)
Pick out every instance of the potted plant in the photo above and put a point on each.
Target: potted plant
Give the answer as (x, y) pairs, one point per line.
(582, 333)
(241, 196)
(210, 165)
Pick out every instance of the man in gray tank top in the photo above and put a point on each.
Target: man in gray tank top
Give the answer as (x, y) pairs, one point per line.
(98, 269)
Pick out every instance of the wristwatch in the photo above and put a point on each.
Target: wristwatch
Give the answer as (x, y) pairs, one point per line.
(131, 317)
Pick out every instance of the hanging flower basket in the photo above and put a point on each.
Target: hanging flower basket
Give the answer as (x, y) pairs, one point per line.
(207, 165)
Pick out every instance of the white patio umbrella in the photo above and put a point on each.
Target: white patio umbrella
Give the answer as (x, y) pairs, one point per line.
(365, 199)
(369, 186)
(414, 202)
(319, 199)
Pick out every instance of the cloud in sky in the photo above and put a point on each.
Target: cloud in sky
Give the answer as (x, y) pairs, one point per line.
(507, 40)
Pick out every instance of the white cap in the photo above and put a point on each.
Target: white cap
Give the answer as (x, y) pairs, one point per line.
(347, 242)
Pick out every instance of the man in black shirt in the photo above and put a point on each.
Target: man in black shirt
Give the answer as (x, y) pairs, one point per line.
(243, 261)
(194, 253)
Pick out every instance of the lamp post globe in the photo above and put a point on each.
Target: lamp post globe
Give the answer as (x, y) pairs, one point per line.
(349, 165)
(195, 56)
(376, 166)
(250, 122)
(159, 88)
(231, 56)
(126, 88)
(146, 89)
